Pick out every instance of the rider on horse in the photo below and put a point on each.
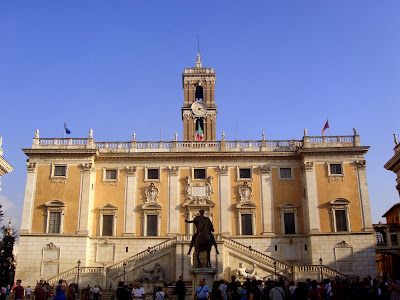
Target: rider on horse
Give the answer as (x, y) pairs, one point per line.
(200, 221)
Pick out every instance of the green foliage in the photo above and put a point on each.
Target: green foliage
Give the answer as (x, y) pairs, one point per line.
(7, 267)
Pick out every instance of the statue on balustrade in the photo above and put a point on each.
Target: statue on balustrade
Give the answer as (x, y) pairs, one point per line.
(203, 239)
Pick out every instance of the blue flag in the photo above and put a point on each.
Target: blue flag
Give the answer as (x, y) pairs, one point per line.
(67, 131)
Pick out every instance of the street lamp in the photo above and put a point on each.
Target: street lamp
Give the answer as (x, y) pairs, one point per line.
(275, 268)
(124, 265)
(77, 283)
(320, 263)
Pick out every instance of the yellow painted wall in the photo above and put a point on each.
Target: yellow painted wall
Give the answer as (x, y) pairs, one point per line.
(46, 190)
(328, 191)
(107, 193)
(182, 198)
(287, 191)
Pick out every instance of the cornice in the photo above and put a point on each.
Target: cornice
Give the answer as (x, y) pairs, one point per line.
(333, 150)
(394, 163)
(30, 152)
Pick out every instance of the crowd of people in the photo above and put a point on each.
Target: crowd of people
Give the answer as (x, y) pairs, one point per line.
(385, 288)
(45, 291)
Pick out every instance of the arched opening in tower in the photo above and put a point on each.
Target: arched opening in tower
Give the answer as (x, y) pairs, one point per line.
(199, 93)
(199, 129)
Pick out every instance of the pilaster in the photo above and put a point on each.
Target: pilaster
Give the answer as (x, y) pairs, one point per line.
(130, 201)
(85, 198)
(364, 197)
(311, 212)
(173, 199)
(267, 203)
(27, 212)
(224, 199)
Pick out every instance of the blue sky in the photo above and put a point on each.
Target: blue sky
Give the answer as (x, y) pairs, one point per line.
(115, 66)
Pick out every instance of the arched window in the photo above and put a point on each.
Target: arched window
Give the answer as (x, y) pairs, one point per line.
(199, 93)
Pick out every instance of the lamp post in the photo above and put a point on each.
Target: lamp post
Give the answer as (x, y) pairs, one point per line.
(124, 265)
(275, 268)
(77, 283)
(320, 263)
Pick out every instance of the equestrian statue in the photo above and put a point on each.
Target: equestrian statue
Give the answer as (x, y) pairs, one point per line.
(203, 239)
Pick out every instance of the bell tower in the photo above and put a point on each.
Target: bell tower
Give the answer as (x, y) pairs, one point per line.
(199, 112)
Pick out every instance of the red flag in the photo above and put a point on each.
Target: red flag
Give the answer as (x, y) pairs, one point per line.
(325, 127)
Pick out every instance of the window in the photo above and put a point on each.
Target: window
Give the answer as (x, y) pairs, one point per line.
(335, 169)
(152, 174)
(289, 223)
(380, 240)
(247, 224)
(54, 216)
(111, 174)
(245, 173)
(285, 173)
(199, 173)
(393, 238)
(108, 220)
(288, 218)
(107, 225)
(341, 220)
(60, 171)
(152, 225)
(340, 213)
(54, 222)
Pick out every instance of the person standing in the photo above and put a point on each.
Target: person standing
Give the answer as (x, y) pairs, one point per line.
(18, 291)
(232, 289)
(28, 292)
(138, 291)
(40, 292)
(96, 293)
(3, 292)
(180, 288)
(202, 291)
(60, 290)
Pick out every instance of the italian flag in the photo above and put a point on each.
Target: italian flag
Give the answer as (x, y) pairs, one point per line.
(199, 135)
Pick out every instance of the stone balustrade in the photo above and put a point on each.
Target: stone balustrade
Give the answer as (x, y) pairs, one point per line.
(196, 146)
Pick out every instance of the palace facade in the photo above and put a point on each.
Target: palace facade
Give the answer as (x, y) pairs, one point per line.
(292, 207)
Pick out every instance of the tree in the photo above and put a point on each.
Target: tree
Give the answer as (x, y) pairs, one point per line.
(7, 267)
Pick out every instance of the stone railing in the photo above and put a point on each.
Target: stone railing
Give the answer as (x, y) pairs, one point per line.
(316, 269)
(74, 271)
(207, 146)
(281, 266)
(114, 269)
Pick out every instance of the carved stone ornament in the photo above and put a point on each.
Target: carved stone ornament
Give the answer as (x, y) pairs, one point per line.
(51, 245)
(87, 167)
(151, 193)
(265, 169)
(223, 170)
(199, 194)
(130, 171)
(156, 274)
(361, 164)
(308, 165)
(31, 166)
(173, 170)
(342, 244)
(245, 192)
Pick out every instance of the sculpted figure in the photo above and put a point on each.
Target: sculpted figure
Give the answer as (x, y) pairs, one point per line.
(263, 136)
(245, 192)
(155, 274)
(151, 193)
(37, 133)
(203, 239)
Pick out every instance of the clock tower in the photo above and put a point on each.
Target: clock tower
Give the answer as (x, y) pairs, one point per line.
(199, 111)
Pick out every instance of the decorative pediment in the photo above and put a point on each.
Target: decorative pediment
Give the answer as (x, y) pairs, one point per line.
(340, 201)
(151, 205)
(108, 206)
(55, 203)
(52, 246)
(288, 207)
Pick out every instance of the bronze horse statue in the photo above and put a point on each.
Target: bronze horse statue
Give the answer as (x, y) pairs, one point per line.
(203, 239)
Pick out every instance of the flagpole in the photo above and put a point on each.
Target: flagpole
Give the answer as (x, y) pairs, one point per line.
(64, 129)
(329, 127)
(236, 131)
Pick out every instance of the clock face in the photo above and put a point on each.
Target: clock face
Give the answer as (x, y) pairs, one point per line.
(199, 108)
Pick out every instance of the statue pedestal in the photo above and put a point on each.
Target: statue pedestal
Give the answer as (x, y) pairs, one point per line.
(203, 273)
